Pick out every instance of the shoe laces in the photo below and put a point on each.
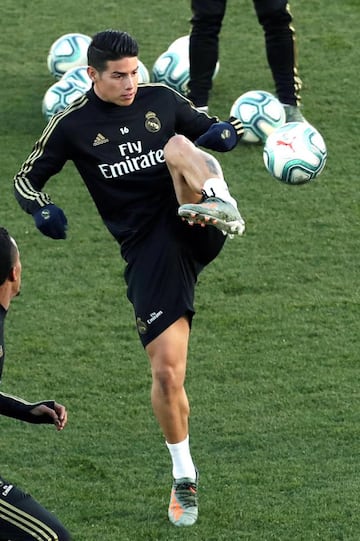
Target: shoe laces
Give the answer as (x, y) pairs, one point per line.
(205, 196)
(186, 492)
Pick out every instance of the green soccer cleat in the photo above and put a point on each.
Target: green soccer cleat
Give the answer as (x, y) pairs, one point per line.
(183, 507)
(216, 212)
(293, 114)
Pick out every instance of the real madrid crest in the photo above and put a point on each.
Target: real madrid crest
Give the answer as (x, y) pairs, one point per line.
(141, 326)
(152, 123)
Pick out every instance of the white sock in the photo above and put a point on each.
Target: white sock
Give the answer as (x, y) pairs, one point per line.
(217, 187)
(183, 465)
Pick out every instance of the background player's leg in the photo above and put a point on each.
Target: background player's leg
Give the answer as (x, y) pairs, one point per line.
(281, 51)
(204, 47)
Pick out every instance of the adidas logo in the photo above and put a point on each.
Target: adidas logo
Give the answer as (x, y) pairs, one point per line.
(100, 139)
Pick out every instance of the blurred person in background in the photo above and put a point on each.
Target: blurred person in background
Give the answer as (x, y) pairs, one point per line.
(22, 518)
(280, 45)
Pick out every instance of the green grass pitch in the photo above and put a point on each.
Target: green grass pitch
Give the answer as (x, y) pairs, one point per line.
(273, 362)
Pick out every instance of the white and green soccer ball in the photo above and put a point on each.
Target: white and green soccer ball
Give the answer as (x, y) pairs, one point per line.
(61, 94)
(180, 44)
(79, 74)
(260, 113)
(295, 153)
(172, 67)
(68, 51)
(143, 72)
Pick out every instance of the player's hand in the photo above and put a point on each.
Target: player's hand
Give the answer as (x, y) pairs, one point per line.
(51, 221)
(222, 136)
(58, 414)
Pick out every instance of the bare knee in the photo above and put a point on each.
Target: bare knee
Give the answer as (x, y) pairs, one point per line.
(168, 380)
(168, 372)
(176, 148)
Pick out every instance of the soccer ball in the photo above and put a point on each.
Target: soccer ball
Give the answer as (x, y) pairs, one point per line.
(260, 112)
(172, 69)
(173, 66)
(295, 153)
(180, 44)
(144, 76)
(61, 94)
(66, 52)
(79, 74)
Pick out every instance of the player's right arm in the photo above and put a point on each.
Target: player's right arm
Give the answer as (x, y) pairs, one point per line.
(45, 411)
(46, 159)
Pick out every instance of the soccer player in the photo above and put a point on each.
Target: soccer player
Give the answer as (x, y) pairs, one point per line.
(133, 146)
(276, 20)
(21, 517)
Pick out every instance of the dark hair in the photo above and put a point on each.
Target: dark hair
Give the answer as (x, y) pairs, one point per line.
(8, 253)
(110, 45)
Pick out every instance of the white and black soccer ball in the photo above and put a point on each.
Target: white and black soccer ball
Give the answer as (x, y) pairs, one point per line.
(66, 52)
(60, 95)
(260, 112)
(295, 153)
(172, 67)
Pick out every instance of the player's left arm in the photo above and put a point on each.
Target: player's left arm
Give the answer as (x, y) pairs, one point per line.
(222, 136)
(206, 131)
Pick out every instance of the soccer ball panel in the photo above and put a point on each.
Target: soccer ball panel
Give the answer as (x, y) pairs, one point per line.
(260, 112)
(144, 76)
(60, 95)
(295, 153)
(80, 74)
(180, 44)
(66, 52)
(172, 69)
(173, 66)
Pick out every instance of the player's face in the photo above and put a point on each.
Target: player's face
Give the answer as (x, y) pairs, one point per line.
(119, 82)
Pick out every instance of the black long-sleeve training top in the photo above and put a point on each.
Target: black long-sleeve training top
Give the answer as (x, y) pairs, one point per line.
(118, 151)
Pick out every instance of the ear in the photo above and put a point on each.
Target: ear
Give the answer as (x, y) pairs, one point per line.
(12, 277)
(92, 73)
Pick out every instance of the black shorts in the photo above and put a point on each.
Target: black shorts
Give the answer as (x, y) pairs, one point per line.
(162, 270)
(22, 518)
